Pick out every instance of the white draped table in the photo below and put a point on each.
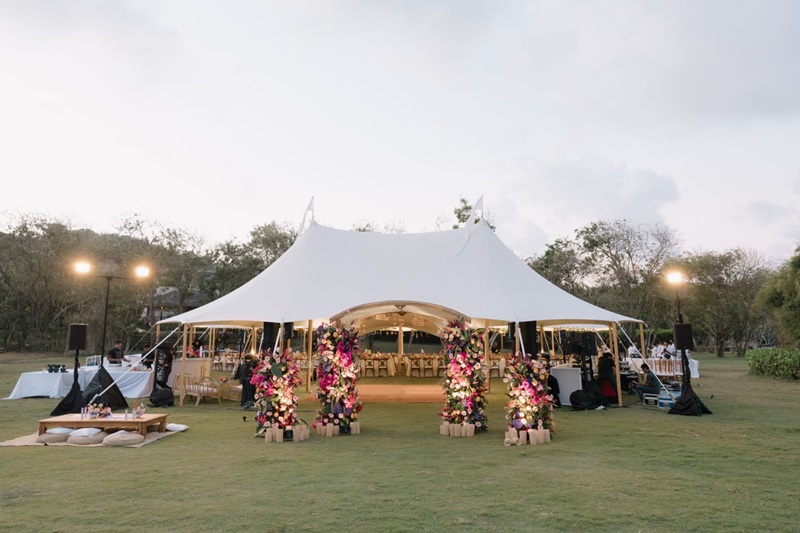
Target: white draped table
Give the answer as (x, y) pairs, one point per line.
(133, 384)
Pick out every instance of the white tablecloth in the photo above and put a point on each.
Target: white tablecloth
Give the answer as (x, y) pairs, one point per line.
(57, 385)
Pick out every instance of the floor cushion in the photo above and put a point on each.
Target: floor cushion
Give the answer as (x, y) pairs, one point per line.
(50, 438)
(97, 438)
(123, 438)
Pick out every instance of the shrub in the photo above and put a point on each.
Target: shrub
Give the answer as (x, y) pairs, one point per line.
(775, 362)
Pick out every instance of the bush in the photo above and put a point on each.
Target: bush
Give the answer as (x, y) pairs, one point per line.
(775, 362)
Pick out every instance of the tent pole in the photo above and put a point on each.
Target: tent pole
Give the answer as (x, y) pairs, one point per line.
(253, 340)
(400, 340)
(612, 334)
(309, 337)
(642, 347)
(552, 344)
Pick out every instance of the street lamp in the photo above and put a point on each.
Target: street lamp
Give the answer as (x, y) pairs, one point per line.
(84, 268)
(676, 278)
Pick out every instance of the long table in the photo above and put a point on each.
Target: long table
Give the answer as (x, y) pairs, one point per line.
(116, 422)
(133, 384)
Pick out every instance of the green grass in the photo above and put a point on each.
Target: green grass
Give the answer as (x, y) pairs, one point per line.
(633, 469)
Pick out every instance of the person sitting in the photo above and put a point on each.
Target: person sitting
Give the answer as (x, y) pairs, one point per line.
(115, 355)
(649, 383)
(607, 378)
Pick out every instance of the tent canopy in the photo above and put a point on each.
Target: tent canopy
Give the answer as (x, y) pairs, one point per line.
(416, 280)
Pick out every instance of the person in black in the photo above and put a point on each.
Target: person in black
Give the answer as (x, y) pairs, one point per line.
(248, 390)
(606, 377)
(147, 356)
(164, 359)
(115, 355)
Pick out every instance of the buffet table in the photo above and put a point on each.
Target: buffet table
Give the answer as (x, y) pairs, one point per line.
(133, 384)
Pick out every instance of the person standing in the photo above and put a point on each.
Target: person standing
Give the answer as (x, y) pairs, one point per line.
(115, 355)
(164, 366)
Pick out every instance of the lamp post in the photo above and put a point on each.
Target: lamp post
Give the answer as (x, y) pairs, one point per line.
(83, 268)
(676, 278)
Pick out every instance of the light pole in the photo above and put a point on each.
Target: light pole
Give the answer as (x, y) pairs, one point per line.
(676, 278)
(84, 268)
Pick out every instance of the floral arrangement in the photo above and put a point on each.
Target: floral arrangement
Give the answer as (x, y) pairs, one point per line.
(336, 364)
(530, 405)
(274, 379)
(98, 411)
(138, 411)
(465, 382)
(223, 379)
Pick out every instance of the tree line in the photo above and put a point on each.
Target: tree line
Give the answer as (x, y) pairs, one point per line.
(734, 299)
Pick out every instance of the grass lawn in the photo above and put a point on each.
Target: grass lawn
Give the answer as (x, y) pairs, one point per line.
(632, 469)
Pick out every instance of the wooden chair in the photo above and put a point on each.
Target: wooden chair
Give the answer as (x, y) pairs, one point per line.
(416, 366)
(200, 388)
(383, 366)
(427, 366)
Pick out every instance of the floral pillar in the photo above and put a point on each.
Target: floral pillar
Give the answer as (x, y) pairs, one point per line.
(274, 379)
(530, 404)
(336, 365)
(465, 383)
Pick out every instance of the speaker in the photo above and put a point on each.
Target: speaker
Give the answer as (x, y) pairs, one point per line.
(512, 327)
(77, 336)
(530, 337)
(288, 330)
(683, 337)
(270, 334)
(589, 344)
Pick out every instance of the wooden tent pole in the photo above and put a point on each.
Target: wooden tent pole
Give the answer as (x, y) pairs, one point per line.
(612, 334)
(552, 344)
(400, 340)
(253, 342)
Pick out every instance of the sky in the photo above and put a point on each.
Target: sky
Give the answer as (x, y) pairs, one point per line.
(219, 116)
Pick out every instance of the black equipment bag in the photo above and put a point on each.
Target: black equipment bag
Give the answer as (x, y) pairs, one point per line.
(162, 397)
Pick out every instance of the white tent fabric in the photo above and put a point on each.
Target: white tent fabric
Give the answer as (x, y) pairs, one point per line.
(466, 272)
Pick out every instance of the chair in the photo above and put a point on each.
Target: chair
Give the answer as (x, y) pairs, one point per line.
(427, 366)
(494, 367)
(383, 365)
(200, 388)
(416, 366)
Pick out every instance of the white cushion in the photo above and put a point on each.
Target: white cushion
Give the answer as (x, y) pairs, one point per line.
(177, 427)
(123, 438)
(84, 432)
(60, 431)
(50, 438)
(97, 438)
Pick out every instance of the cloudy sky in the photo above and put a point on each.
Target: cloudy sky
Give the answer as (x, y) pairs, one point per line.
(217, 116)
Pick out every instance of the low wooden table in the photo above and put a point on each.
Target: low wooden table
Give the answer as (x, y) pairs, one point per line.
(116, 421)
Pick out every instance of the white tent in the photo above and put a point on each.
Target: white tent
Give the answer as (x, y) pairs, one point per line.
(420, 279)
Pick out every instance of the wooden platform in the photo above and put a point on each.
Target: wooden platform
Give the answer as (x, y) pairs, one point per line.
(401, 393)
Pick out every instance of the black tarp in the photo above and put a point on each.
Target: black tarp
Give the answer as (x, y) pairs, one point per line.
(688, 403)
(73, 402)
(112, 398)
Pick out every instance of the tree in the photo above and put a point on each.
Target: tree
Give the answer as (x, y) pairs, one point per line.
(723, 295)
(781, 295)
(564, 265)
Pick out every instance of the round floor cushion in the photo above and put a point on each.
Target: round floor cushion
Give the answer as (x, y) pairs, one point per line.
(123, 438)
(97, 438)
(50, 438)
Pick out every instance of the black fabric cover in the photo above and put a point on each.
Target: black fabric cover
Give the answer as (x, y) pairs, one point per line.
(689, 404)
(112, 398)
(73, 402)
